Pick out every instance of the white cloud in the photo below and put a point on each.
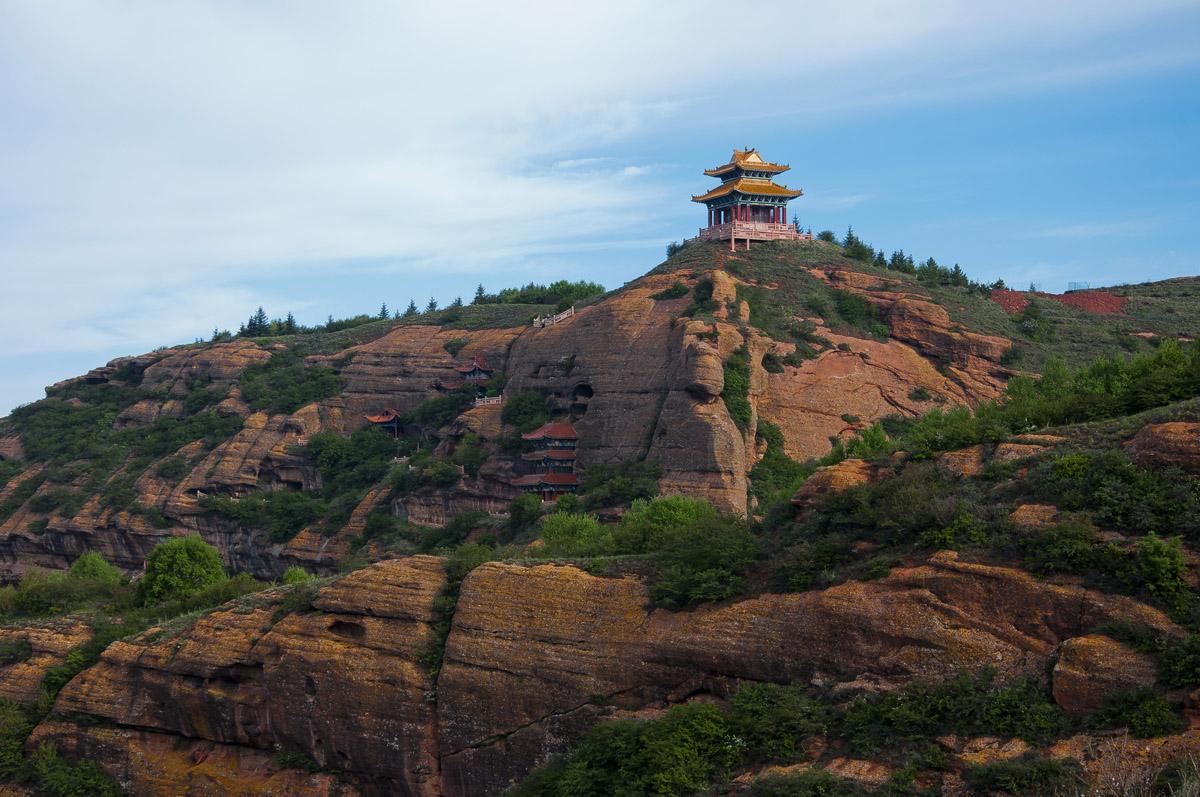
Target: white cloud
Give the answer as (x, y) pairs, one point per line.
(157, 156)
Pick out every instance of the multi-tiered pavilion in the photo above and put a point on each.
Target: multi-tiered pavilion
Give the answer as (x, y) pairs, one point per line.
(748, 205)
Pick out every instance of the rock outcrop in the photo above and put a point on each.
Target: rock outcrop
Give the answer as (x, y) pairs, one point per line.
(832, 479)
(1173, 444)
(535, 656)
(47, 644)
(1090, 669)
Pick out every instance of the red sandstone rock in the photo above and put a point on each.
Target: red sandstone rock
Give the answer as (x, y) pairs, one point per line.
(832, 479)
(1173, 444)
(965, 461)
(1034, 516)
(1092, 668)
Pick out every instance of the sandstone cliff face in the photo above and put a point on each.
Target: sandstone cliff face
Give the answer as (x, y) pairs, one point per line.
(535, 656)
(640, 381)
(48, 644)
(1174, 444)
(341, 684)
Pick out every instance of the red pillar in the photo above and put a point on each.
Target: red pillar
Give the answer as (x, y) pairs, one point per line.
(784, 216)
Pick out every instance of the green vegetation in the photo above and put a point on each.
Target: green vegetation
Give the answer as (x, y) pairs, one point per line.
(677, 291)
(178, 569)
(618, 484)
(1029, 774)
(283, 384)
(736, 393)
(282, 513)
(526, 411)
(45, 770)
(561, 294)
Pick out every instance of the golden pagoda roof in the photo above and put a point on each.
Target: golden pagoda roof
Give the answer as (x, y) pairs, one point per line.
(749, 185)
(746, 159)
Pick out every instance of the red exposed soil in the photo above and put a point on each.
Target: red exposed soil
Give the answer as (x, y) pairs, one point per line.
(1101, 302)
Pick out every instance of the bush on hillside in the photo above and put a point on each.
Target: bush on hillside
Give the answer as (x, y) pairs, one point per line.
(180, 568)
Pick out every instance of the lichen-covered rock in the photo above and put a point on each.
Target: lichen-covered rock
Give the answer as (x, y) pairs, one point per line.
(1012, 452)
(532, 647)
(1176, 443)
(1034, 516)
(216, 364)
(49, 643)
(1090, 669)
(965, 461)
(832, 479)
(342, 684)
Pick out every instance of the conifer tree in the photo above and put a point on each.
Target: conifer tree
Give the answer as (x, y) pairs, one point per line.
(432, 306)
(412, 309)
(458, 302)
(383, 311)
(479, 294)
(289, 324)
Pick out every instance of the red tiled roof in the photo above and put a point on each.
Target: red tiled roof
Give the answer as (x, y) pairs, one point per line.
(476, 362)
(563, 454)
(387, 416)
(557, 430)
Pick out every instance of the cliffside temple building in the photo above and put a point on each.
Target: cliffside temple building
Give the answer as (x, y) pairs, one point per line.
(552, 461)
(748, 205)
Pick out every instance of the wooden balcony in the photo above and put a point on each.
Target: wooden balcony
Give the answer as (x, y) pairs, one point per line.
(751, 231)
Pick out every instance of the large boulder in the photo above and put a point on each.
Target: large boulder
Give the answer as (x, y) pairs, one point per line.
(1090, 669)
(1176, 443)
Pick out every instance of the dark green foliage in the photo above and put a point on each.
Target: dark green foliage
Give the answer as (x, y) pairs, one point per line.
(354, 462)
(854, 248)
(703, 562)
(776, 475)
(804, 784)
(968, 705)
(14, 651)
(677, 291)
(438, 411)
(736, 393)
(827, 236)
(167, 435)
(283, 513)
(526, 411)
(9, 470)
(40, 592)
(854, 310)
(455, 345)
(295, 575)
(619, 484)
(283, 384)
(1179, 663)
(919, 394)
(1031, 774)
(771, 363)
(66, 501)
(293, 759)
(570, 535)
(562, 294)
(1146, 715)
(523, 512)
(774, 721)
(91, 566)
(19, 495)
(678, 754)
(57, 778)
(180, 568)
(469, 454)
(173, 469)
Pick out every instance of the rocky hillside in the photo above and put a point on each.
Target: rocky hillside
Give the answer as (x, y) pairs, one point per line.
(845, 545)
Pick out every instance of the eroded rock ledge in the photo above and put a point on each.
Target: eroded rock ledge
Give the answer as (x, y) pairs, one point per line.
(531, 652)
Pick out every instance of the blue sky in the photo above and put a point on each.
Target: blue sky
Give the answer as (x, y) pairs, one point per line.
(166, 168)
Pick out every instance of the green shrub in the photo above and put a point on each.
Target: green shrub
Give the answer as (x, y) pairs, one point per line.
(526, 411)
(1179, 665)
(919, 394)
(91, 566)
(776, 475)
(440, 473)
(173, 469)
(675, 755)
(14, 651)
(1145, 713)
(574, 535)
(283, 384)
(736, 392)
(469, 454)
(523, 512)
(771, 363)
(294, 759)
(1030, 774)
(775, 721)
(455, 345)
(179, 568)
(968, 705)
(296, 575)
(57, 778)
(619, 483)
(817, 783)
(676, 291)
(704, 562)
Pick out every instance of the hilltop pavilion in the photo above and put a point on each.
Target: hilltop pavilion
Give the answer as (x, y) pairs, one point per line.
(748, 205)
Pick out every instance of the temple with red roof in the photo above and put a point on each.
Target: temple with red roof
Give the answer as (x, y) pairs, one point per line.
(552, 460)
(389, 419)
(476, 371)
(748, 205)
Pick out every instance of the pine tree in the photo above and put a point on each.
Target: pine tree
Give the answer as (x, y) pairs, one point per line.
(412, 309)
(432, 306)
(289, 324)
(880, 260)
(458, 302)
(479, 294)
(383, 311)
(258, 324)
